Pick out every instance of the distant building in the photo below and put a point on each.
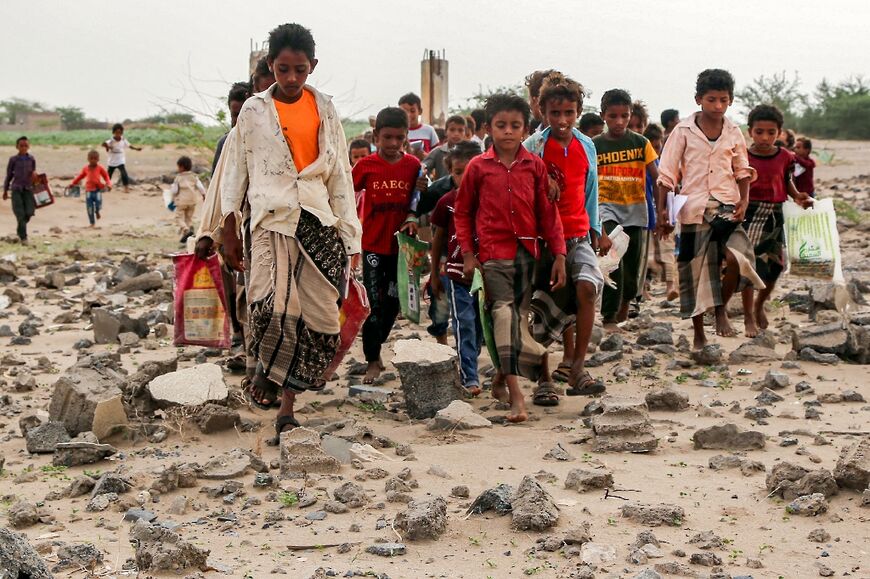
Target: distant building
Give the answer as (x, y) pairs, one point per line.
(34, 122)
(258, 51)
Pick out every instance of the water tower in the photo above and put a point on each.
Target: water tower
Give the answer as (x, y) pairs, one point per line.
(433, 82)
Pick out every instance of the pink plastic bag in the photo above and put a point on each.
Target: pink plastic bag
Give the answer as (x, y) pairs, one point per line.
(200, 303)
(354, 311)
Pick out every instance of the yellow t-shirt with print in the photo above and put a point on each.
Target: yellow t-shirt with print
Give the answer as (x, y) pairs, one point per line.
(622, 178)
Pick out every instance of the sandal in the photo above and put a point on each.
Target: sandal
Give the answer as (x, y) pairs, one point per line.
(274, 401)
(586, 386)
(562, 373)
(280, 423)
(472, 391)
(545, 395)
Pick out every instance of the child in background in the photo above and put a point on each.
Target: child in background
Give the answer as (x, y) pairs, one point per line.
(670, 119)
(96, 179)
(764, 219)
(422, 138)
(624, 160)
(706, 156)
(237, 96)
(661, 253)
(638, 123)
(263, 77)
(463, 304)
(117, 148)
(502, 207)
(804, 167)
(19, 176)
(786, 139)
(470, 127)
(479, 127)
(184, 190)
(591, 125)
(533, 86)
(358, 150)
(434, 161)
(571, 160)
(388, 179)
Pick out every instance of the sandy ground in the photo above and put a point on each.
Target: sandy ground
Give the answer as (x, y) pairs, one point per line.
(733, 506)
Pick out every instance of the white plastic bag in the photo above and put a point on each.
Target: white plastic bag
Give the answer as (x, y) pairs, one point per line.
(169, 199)
(610, 262)
(812, 241)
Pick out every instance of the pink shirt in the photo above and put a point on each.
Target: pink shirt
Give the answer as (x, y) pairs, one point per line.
(702, 168)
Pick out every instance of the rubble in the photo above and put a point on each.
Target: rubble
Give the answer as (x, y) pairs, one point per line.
(853, 467)
(302, 454)
(18, 560)
(728, 437)
(88, 398)
(159, 549)
(654, 515)
(423, 519)
(623, 426)
(429, 375)
(582, 480)
(190, 387)
(458, 415)
(533, 508)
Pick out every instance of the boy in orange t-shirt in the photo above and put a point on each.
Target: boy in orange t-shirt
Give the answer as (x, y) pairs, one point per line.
(96, 179)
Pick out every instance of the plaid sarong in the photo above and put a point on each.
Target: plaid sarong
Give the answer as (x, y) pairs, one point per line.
(702, 252)
(293, 296)
(552, 311)
(508, 285)
(764, 224)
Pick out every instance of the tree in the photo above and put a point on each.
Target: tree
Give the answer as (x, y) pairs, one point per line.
(71, 117)
(839, 110)
(778, 90)
(477, 100)
(14, 107)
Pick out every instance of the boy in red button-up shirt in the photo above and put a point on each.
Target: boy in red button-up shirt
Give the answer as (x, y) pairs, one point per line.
(501, 210)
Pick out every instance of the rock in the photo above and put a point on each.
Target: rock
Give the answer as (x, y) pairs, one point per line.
(654, 515)
(648, 574)
(853, 467)
(656, 335)
(749, 353)
(18, 560)
(810, 355)
(133, 515)
(178, 506)
(460, 492)
(351, 494)
(458, 415)
(612, 343)
(728, 437)
(808, 505)
(817, 481)
(725, 461)
(128, 339)
(582, 480)
(101, 502)
(429, 375)
(768, 397)
(108, 325)
(824, 570)
(81, 485)
(22, 514)
(578, 535)
(559, 453)
(496, 499)
(601, 358)
(146, 282)
(111, 483)
(423, 519)
(597, 553)
(819, 536)
(850, 343)
(77, 453)
(667, 399)
(159, 549)
(386, 549)
(43, 439)
(175, 477)
(78, 556)
(368, 393)
(772, 379)
(623, 426)
(232, 464)
(302, 454)
(707, 540)
(192, 386)
(89, 399)
(705, 559)
(533, 508)
(128, 268)
(215, 418)
(709, 355)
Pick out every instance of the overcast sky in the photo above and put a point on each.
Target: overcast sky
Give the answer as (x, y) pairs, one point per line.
(124, 59)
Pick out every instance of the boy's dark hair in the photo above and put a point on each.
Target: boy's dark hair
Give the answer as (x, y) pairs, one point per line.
(590, 120)
(535, 80)
(262, 69)
(653, 132)
(479, 116)
(470, 123)
(714, 79)
(117, 127)
(185, 163)
(464, 151)
(505, 102)
(615, 97)
(638, 109)
(669, 115)
(239, 92)
(766, 113)
(410, 99)
(558, 87)
(19, 139)
(291, 36)
(789, 138)
(359, 144)
(440, 133)
(808, 144)
(92, 153)
(392, 118)
(455, 120)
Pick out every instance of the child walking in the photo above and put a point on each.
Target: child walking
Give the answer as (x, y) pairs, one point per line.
(117, 148)
(184, 192)
(388, 178)
(624, 159)
(805, 166)
(706, 155)
(764, 219)
(571, 161)
(19, 177)
(435, 160)
(662, 257)
(501, 209)
(422, 138)
(96, 179)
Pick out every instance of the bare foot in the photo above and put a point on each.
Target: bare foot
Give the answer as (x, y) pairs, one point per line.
(612, 328)
(761, 316)
(441, 339)
(700, 341)
(499, 389)
(723, 326)
(750, 329)
(518, 411)
(373, 371)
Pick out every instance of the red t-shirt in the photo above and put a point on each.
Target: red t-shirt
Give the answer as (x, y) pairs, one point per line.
(386, 190)
(774, 172)
(442, 216)
(574, 165)
(804, 181)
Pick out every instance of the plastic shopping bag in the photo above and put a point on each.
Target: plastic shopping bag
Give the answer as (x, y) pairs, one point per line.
(353, 313)
(413, 261)
(812, 241)
(200, 303)
(610, 262)
(169, 199)
(485, 318)
(42, 196)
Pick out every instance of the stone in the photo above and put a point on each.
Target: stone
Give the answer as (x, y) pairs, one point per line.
(656, 335)
(705, 559)
(597, 553)
(654, 515)
(78, 556)
(853, 466)
(582, 480)
(18, 560)
(623, 426)
(496, 499)
(43, 439)
(773, 380)
(667, 399)
(77, 453)
(160, 549)
(709, 355)
(369, 394)
(612, 343)
(601, 358)
(728, 437)
(22, 514)
(128, 339)
(215, 418)
(460, 492)
(707, 540)
(423, 519)
(192, 386)
(768, 397)
(533, 508)
(128, 268)
(850, 342)
(111, 482)
(232, 464)
(88, 398)
(386, 549)
(819, 536)
(145, 282)
(429, 376)
(811, 355)
(101, 502)
(458, 415)
(133, 515)
(559, 453)
(748, 353)
(817, 481)
(301, 454)
(81, 485)
(808, 505)
(351, 494)
(579, 534)
(174, 477)
(109, 325)
(648, 574)
(824, 570)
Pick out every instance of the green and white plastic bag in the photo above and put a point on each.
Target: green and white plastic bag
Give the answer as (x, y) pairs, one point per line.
(485, 318)
(413, 262)
(812, 241)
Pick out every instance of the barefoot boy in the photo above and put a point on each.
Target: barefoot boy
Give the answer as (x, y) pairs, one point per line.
(706, 153)
(501, 210)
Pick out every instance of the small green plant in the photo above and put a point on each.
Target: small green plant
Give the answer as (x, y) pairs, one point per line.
(53, 470)
(474, 541)
(288, 498)
(681, 379)
(765, 547)
(491, 564)
(373, 407)
(586, 457)
(611, 521)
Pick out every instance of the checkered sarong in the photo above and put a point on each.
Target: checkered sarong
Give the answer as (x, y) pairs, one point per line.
(764, 224)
